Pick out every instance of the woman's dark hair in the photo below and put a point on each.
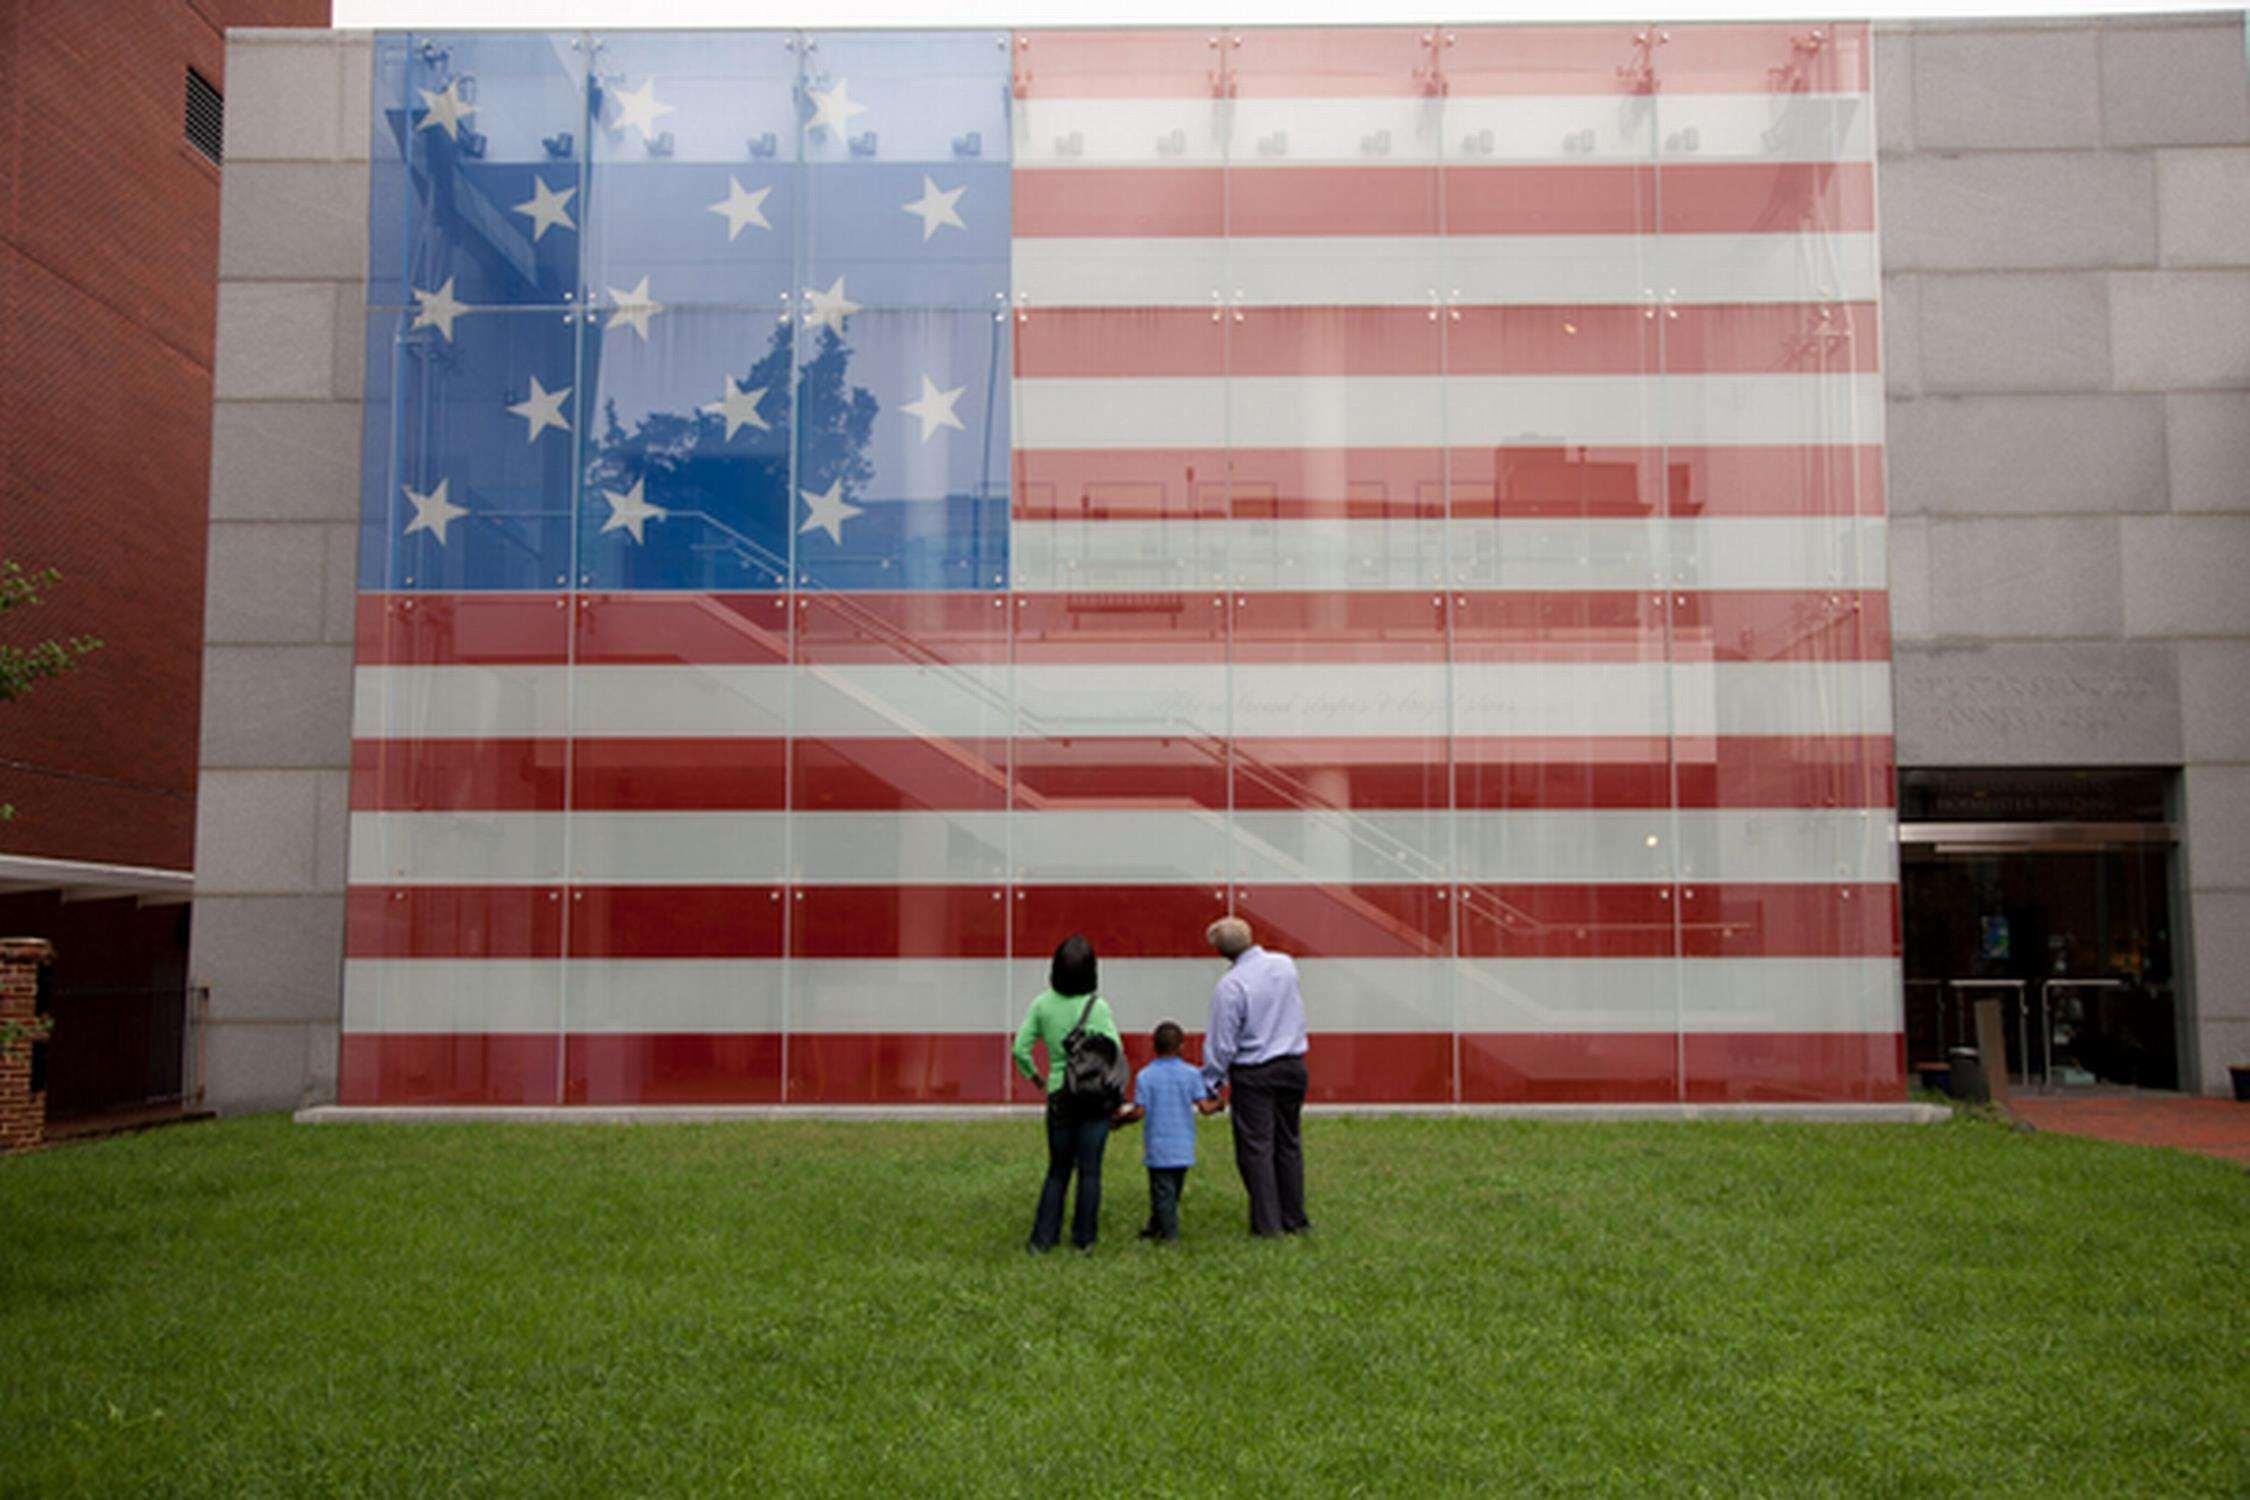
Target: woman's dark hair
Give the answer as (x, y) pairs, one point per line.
(1074, 972)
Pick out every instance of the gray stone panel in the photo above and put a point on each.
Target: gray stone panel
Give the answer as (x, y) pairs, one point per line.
(332, 842)
(2207, 437)
(2019, 210)
(2215, 699)
(2182, 84)
(1902, 346)
(285, 461)
(2221, 920)
(1910, 578)
(2035, 576)
(2217, 803)
(293, 221)
(256, 832)
(277, 706)
(2076, 703)
(2221, 1042)
(285, 96)
(2203, 207)
(276, 341)
(264, 583)
(271, 958)
(2016, 87)
(2024, 332)
(2026, 454)
(2180, 330)
(348, 360)
(2186, 575)
(261, 1065)
(355, 61)
(340, 585)
(1894, 91)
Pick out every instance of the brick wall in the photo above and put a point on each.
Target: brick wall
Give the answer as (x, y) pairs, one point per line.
(23, 1114)
(109, 233)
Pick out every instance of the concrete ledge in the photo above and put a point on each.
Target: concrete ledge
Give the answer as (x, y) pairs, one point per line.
(699, 1114)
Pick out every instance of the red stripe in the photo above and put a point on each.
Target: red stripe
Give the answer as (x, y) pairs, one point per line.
(1617, 60)
(1124, 772)
(1703, 339)
(1290, 202)
(407, 630)
(618, 630)
(1367, 920)
(911, 1068)
(1060, 484)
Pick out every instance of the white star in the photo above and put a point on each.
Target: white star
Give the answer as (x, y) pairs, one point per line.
(935, 408)
(828, 512)
(638, 109)
(739, 407)
(741, 208)
(935, 209)
(633, 309)
(548, 209)
(830, 307)
(630, 511)
(437, 309)
(541, 410)
(835, 109)
(445, 109)
(432, 511)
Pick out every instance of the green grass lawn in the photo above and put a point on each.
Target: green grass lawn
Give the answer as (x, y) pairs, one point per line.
(260, 1308)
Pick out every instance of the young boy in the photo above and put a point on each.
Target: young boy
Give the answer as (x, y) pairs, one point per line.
(1168, 1093)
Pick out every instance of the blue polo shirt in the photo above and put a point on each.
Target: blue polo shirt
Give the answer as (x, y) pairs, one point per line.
(1168, 1089)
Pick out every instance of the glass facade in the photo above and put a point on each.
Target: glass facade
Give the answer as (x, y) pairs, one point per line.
(845, 511)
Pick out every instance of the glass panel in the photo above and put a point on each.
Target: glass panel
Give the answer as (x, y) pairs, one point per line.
(906, 184)
(469, 487)
(1334, 335)
(453, 946)
(693, 188)
(686, 476)
(491, 127)
(898, 846)
(1790, 984)
(902, 452)
(1560, 706)
(679, 716)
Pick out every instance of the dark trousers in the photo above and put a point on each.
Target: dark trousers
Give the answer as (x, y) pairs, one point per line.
(1074, 1143)
(1165, 1184)
(1268, 1105)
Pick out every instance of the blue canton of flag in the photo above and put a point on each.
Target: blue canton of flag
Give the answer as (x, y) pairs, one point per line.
(650, 318)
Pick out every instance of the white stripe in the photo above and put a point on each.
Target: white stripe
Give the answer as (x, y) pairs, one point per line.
(1155, 845)
(1405, 271)
(542, 997)
(1561, 129)
(1765, 552)
(1311, 698)
(1402, 411)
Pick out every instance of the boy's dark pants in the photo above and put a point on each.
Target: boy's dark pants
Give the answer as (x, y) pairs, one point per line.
(1268, 1104)
(1164, 1186)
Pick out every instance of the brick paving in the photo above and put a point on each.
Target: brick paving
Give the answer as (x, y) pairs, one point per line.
(2213, 1127)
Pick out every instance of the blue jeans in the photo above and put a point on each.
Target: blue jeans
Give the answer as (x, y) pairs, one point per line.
(1074, 1143)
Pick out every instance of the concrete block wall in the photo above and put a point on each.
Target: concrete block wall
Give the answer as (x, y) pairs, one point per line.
(278, 614)
(2066, 248)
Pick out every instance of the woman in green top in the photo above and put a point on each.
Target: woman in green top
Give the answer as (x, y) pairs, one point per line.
(1076, 1133)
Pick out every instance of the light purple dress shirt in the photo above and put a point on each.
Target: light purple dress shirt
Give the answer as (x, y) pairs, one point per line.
(1256, 1015)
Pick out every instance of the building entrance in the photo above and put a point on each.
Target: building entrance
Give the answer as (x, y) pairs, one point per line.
(2052, 892)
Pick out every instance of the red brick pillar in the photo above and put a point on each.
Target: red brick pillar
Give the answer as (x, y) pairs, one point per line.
(23, 1114)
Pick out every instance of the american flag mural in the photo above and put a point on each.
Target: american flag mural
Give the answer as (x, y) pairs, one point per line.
(845, 511)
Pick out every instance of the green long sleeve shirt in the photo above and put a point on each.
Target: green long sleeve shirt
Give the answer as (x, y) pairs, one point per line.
(1049, 1020)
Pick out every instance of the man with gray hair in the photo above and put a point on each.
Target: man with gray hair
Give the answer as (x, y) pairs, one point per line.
(1255, 1044)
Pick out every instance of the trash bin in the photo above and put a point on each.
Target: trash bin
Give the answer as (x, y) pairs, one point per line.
(1965, 1076)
